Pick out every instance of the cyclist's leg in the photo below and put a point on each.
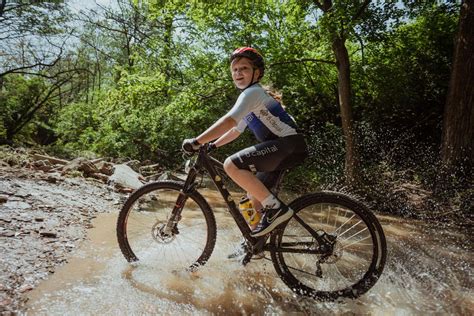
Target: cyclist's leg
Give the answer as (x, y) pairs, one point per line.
(246, 179)
(269, 179)
(263, 157)
(278, 154)
(266, 156)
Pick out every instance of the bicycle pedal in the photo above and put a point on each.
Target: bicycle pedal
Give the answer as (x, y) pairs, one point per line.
(258, 256)
(246, 259)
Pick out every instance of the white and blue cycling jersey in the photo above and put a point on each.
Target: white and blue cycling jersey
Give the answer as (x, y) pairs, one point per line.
(262, 114)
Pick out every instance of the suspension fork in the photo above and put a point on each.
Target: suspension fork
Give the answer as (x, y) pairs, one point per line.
(175, 216)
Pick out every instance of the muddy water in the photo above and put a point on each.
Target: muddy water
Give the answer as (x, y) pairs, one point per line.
(429, 271)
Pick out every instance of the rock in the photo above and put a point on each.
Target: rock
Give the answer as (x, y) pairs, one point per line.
(125, 176)
(3, 198)
(17, 205)
(53, 177)
(7, 233)
(5, 218)
(41, 222)
(134, 164)
(22, 218)
(25, 287)
(105, 167)
(103, 177)
(45, 207)
(171, 176)
(81, 164)
(43, 165)
(48, 234)
(151, 170)
(4, 303)
(124, 190)
(52, 160)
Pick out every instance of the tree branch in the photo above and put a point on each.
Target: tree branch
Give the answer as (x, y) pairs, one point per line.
(319, 5)
(361, 11)
(303, 60)
(26, 117)
(20, 69)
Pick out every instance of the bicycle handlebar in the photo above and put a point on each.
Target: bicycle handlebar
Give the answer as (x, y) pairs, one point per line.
(207, 147)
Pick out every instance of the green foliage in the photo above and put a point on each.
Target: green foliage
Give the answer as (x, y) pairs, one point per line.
(401, 89)
(157, 72)
(17, 97)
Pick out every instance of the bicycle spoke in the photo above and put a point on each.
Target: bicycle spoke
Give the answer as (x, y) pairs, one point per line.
(147, 238)
(340, 227)
(346, 267)
(356, 234)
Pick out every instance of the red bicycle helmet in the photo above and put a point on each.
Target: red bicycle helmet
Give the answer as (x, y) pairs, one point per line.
(253, 55)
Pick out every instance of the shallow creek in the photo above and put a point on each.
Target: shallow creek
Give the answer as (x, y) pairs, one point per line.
(429, 271)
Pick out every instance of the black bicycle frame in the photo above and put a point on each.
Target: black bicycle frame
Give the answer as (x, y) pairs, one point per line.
(211, 165)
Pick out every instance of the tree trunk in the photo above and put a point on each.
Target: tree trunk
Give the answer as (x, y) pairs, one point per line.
(351, 165)
(344, 88)
(457, 148)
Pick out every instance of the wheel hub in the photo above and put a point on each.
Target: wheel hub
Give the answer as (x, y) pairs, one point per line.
(159, 235)
(336, 254)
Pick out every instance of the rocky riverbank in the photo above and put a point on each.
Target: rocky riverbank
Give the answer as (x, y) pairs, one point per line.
(43, 217)
(46, 207)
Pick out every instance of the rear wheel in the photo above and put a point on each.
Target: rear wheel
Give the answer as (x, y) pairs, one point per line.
(142, 233)
(349, 267)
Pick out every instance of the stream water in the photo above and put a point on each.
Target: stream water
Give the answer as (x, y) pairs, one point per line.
(429, 271)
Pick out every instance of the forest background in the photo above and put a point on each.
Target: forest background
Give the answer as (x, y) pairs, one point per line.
(383, 90)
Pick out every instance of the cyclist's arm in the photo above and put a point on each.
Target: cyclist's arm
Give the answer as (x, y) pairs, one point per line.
(227, 137)
(219, 128)
(244, 104)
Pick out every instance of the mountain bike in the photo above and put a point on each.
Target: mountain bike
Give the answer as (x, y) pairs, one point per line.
(333, 246)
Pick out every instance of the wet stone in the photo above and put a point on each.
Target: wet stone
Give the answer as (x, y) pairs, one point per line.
(22, 218)
(7, 233)
(52, 179)
(22, 195)
(17, 205)
(25, 288)
(45, 207)
(5, 302)
(48, 234)
(5, 218)
(3, 198)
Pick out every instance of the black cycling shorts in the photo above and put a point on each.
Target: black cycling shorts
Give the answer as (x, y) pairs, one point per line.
(269, 158)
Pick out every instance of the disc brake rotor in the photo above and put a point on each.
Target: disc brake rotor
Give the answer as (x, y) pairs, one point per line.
(159, 235)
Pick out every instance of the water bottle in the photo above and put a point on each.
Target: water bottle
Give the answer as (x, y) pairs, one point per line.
(246, 208)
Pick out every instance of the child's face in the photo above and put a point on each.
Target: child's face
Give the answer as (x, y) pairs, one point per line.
(242, 70)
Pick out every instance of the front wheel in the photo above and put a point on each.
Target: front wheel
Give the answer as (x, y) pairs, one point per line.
(143, 234)
(348, 264)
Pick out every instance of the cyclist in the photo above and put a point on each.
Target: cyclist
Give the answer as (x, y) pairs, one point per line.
(279, 146)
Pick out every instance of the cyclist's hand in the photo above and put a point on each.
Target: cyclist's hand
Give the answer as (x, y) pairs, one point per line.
(190, 145)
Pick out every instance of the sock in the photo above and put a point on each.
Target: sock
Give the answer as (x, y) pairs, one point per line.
(271, 202)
